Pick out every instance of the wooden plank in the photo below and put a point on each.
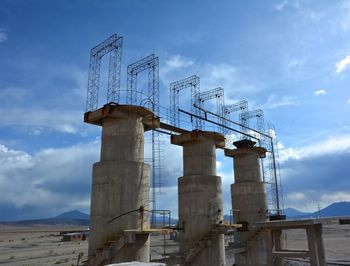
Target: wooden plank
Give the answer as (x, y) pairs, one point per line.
(291, 254)
(288, 224)
(148, 231)
(276, 235)
(269, 245)
(320, 245)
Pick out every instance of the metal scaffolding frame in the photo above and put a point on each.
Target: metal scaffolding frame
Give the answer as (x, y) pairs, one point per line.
(273, 173)
(218, 95)
(274, 182)
(177, 86)
(269, 167)
(244, 118)
(136, 97)
(150, 99)
(241, 106)
(113, 46)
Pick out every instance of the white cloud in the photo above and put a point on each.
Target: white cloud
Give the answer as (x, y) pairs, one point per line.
(297, 5)
(308, 173)
(309, 200)
(275, 101)
(327, 199)
(218, 165)
(52, 179)
(303, 201)
(294, 64)
(319, 92)
(13, 95)
(3, 36)
(12, 158)
(236, 81)
(168, 200)
(348, 102)
(232, 79)
(344, 16)
(55, 180)
(333, 145)
(61, 111)
(296, 196)
(342, 64)
(280, 6)
(54, 119)
(176, 62)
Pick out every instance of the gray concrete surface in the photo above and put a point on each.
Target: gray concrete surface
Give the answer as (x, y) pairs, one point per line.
(200, 199)
(249, 203)
(121, 180)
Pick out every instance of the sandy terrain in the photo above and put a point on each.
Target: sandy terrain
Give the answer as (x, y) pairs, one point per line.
(336, 240)
(39, 246)
(43, 246)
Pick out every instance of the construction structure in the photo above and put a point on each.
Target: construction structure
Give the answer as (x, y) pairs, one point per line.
(276, 253)
(218, 95)
(249, 202)
(150, 99)
(193, 83)
(121, 181)
(113, 46)
(200, 199)
(241, 106)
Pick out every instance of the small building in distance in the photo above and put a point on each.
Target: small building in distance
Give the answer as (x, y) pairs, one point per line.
(76, 236)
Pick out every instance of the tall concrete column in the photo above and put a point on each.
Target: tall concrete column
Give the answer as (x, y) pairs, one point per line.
(200, 199)
(121, 180)
(249, 202)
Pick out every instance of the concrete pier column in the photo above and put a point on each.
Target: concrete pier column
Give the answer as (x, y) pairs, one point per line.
(249, 202)
(200, 199)
(121, 180)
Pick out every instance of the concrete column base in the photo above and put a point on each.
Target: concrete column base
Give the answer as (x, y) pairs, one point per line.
(114, 193)
(249, 201)
(255, 249)
(249, 204)
(200, 206)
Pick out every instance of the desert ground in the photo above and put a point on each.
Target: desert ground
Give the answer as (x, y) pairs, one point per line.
(42, 245)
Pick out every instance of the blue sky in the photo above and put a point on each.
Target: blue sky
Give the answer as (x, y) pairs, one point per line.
(290, 58)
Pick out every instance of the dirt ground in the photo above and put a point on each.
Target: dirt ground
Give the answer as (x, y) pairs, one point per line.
(35, 246)
(336, 241)
(39, 246)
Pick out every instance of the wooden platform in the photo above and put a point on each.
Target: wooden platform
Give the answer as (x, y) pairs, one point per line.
(288, 224)
(162, 231)
(275, 252)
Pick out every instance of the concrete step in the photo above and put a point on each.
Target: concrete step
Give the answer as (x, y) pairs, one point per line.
(102, 253)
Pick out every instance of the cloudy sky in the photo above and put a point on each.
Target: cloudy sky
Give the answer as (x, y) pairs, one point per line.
(289, 57)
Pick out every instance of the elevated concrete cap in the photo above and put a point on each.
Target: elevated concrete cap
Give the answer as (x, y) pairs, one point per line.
(114, 110)
(199, 135)
(245, 146)
(288, 223)
(244, 143)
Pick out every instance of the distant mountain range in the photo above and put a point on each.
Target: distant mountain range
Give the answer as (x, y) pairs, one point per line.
(68, 218)
(78, 218)
(335, 209)
(73, 215)
(292, 213)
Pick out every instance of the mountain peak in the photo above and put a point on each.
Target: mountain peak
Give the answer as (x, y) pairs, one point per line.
(341, 208)
(291, 212)
(74, 214)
